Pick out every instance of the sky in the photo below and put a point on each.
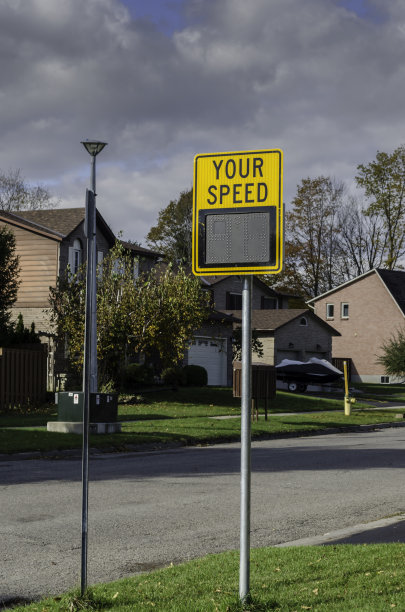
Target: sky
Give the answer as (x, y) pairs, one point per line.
(164, 80)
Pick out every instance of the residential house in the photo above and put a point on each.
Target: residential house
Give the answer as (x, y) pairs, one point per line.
(366, 311)
(212, 345)
(296, 334)
(226, 293)
(46, 242)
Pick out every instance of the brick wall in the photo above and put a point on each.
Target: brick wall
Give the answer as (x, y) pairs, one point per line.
(373, 317)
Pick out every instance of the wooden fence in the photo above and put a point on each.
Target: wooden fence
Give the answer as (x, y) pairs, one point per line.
(23, 376)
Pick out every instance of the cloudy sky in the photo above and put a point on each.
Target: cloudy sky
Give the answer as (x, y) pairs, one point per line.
(164, 80)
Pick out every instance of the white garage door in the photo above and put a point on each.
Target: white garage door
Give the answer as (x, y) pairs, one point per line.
(210, 353)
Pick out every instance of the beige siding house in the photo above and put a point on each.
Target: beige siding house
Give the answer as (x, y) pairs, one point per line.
(366, 311)
(47, 241)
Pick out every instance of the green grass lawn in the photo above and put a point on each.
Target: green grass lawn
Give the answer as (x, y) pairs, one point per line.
(389, 393)
(183, 417)
(342, 578)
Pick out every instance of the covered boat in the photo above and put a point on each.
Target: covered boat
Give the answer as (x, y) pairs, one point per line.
(299, 374)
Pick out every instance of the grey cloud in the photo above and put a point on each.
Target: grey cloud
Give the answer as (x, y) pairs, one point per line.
(311, 77)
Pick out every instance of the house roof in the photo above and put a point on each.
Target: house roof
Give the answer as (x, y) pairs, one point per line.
(270, 320)
(214, 280)
(140, 250)
(394, 281)
(17, 220)
(62, 221)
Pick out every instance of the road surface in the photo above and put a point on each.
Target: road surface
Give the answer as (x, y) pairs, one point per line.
(147, 510)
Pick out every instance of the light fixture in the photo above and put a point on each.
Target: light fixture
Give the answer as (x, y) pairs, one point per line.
(94, 147)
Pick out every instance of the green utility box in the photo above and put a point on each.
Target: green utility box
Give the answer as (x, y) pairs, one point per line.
(103, 406)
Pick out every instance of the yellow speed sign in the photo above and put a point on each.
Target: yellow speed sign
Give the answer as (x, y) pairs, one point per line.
(238, 213)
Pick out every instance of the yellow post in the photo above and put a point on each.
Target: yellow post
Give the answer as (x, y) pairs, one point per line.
(347, 401)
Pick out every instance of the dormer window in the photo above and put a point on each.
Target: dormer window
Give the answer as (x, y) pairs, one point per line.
(303, 321)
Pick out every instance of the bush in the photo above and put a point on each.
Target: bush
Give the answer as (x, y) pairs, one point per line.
(195, 376)
(135, 374)
(173, 375)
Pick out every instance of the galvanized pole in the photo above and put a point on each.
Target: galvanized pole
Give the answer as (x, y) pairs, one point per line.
(244, 568)
(90, 215)
(93, 361)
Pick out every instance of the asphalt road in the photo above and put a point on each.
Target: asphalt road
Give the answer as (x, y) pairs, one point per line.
(147, 510)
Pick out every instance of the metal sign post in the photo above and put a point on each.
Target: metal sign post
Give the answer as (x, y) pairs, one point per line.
(238, 228)
(90, 233)
(245, 462)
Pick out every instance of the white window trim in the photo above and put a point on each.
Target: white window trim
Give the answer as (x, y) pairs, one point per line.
(342, 306)
(330, 317)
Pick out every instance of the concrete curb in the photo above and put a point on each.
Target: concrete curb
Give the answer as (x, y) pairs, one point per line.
(345, 534)
(76, 453)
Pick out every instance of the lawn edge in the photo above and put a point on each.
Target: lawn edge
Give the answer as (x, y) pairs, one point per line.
(76, 453)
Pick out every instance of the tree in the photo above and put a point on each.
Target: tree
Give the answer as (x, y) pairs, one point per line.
(257, 344)
(9, 282)
(16, 194)
(169, 307)
(363, 239)
(172, 234)
(158, 312)
(383, 181)
(393, 356)
(313, 250)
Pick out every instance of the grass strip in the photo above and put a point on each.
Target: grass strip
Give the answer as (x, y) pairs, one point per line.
(186, 431)
(343, 577)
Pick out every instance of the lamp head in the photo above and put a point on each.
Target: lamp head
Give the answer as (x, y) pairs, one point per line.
(94, 147)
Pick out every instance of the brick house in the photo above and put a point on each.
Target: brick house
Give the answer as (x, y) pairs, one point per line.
(296, 334)
(366, 311)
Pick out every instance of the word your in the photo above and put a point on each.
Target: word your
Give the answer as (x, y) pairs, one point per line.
(238, 193)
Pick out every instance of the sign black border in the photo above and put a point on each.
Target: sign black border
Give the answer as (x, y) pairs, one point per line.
(202, 238)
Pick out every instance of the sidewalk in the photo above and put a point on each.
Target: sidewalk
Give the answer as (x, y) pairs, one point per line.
(387, 530)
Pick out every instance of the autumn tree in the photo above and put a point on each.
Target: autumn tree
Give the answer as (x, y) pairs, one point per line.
(383, 181)
(16, 194)
(172, 233)
(169, 307)
(312, 237)
(9, 282)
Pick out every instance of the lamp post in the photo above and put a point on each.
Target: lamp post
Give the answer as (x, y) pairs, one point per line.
(90, 344)
(93, 147)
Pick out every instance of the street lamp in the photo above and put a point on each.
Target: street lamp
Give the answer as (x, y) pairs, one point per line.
(93, 147)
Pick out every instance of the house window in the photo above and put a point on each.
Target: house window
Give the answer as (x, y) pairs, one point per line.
(303, 321)
(330, 311)
(100, 257)
(136, 269)
(385, 380)
(75, 256)
(344, 312)
(233, 301)
(269, 303)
